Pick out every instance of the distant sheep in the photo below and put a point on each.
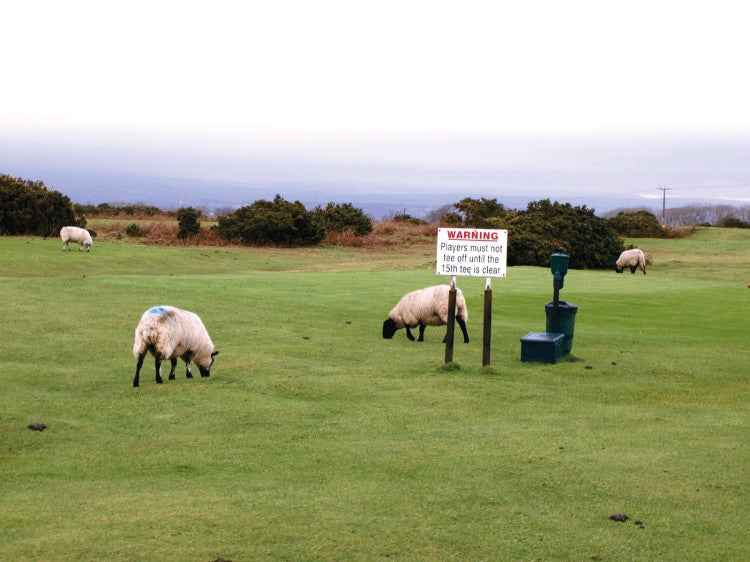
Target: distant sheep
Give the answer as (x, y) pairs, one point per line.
(633, 259)
(425, 307)
(168, 333)
(75, 234)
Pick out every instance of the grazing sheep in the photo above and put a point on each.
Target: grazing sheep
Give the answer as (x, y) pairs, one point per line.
(75, 234)
(633, 259)
(425, 307)
(168, 333)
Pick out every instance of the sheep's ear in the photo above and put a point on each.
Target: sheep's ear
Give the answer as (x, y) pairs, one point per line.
(214, 354)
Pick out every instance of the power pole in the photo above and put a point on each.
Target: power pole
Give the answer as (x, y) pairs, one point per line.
(664, 202)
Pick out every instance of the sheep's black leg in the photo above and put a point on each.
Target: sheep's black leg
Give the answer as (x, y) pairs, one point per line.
(463, 328)
(138, 370)
(173, 361)
(632, 269)
(409, 334)
(157, 365)
(186, 357)
(421, 332)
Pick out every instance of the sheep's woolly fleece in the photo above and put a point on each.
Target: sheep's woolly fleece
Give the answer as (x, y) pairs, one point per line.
(76, 234)
(172, 332)
(632, 259)
(427, 306)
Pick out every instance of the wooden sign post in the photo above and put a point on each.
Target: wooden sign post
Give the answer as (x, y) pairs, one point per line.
(486, 339)
(451, 328)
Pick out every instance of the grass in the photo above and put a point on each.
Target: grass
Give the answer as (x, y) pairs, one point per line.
(708, 252)
(314, 438)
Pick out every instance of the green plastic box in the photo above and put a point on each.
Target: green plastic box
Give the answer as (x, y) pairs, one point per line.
(544, 347)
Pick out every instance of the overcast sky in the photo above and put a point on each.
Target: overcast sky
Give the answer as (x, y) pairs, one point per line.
(637, 94)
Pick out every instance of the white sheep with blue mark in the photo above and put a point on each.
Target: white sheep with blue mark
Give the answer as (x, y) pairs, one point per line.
(633, 259)
(168, 333)
(76, 234)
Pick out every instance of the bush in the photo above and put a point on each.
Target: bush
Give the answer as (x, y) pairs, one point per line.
(187, 220)
(451, 219)
(552, 227)
(637, 224)
(272, 222)
(733, 222)
(545, 228)
(133, 230)
(405, 217)
(479, 213)
(343, 217)
(28, 207)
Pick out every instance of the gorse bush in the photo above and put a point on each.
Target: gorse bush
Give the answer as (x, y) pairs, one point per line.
(28, 207)
(479, 213)
(272, 222)
(637, 224)
(545, 228)
(342, 217)
(133, 230)
(187, 221)
(405, 217)
(732, 222)
(553, 227)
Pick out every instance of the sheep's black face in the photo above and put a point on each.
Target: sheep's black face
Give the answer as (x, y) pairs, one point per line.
(389, 328)
(207, 371)
(618, 270)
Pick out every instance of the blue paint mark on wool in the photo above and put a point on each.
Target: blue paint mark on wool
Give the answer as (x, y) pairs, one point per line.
(157, 310)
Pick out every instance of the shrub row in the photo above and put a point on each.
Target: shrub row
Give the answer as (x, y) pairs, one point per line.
(28, 207)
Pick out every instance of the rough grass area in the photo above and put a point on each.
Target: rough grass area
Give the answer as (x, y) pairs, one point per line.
(316, 439)
(162, 230)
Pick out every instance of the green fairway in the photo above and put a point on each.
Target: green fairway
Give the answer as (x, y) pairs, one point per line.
(315, 439)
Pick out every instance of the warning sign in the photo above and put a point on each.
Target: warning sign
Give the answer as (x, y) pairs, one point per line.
(473, 252)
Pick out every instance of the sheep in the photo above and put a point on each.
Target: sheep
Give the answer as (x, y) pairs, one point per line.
(75, 234)
(168, 333)
(425, 307)
(633, 259)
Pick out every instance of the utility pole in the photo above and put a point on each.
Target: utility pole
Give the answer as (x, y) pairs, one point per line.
(663, 202)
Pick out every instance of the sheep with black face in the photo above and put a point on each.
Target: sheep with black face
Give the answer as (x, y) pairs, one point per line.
(76, 234)
(168, 333)
(425, 307)
(633, 259)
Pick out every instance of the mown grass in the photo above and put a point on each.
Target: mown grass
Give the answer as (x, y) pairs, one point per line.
(314, 438)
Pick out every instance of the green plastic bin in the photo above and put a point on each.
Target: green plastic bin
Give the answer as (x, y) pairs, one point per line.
(567, 320)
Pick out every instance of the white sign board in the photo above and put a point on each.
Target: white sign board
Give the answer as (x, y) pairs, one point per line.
(473, 252)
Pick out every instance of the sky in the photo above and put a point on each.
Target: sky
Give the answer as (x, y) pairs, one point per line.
(461, 98)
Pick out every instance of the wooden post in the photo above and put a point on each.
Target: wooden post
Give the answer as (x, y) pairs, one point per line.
(487, 323)
(451, 321)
